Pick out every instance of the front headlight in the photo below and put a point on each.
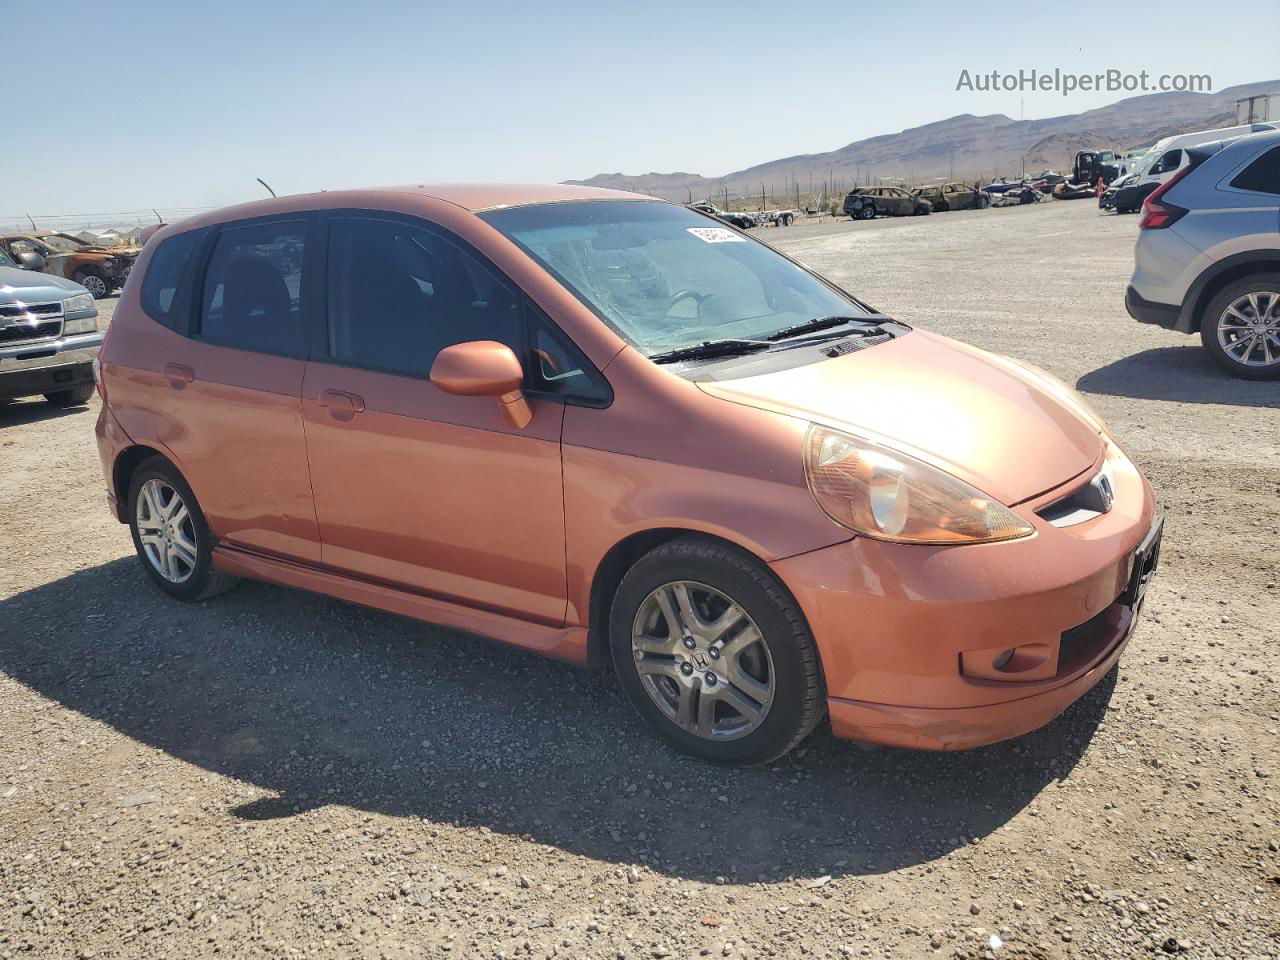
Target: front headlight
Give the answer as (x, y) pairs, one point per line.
(80, 303)
(887, 495)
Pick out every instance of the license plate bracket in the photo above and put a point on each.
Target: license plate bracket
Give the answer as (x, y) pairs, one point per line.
(1146, 558)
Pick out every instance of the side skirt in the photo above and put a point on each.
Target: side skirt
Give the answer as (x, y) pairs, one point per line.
(562, 643)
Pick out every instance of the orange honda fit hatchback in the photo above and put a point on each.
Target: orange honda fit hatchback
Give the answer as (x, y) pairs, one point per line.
(606, 427)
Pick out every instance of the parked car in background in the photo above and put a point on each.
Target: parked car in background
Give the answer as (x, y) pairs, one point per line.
(863, 203)
(952, 196)
(735, 218)
(100, 270)
(1122, 195)
(1090, 165)
(602, 427)
(49, 336)
(1208, 255)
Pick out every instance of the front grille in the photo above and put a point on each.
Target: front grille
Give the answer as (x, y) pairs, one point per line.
(23, 322)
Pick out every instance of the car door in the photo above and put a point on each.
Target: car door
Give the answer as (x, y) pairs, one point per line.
(226, 397)
(414, 487)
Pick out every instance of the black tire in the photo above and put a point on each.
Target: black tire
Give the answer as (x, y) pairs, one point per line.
(866, 212)
(1268, 283)
(799, 697)
(924, 210)
(74, 397)
(203, 581)
(940, 206)
(92, 281)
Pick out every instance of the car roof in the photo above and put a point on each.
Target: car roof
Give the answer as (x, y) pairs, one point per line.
(474, 197)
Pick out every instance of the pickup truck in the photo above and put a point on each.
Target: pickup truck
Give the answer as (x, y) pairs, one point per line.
(49, 336)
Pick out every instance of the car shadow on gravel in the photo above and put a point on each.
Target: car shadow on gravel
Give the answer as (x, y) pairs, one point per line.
(1183, 374)
(318, 702)
(35, 411)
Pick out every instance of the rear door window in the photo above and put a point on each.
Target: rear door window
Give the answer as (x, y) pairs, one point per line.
(165, 275)
(1261, 176)
(253, 291)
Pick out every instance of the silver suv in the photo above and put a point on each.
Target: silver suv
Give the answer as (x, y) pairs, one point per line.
(49, 337)
(1208, 255)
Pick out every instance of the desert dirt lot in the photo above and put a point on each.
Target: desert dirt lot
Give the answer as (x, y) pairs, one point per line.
(273, 773)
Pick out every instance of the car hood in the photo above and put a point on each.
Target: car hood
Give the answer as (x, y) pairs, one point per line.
(31, 287)
(968, 412)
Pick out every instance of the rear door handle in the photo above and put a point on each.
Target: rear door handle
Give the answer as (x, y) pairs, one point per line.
(178, 375)
(340, 402)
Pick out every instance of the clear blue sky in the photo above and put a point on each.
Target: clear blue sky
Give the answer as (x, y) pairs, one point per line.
(172, 104)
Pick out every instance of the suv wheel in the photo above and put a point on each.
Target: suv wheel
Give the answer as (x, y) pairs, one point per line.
(92, 282)
(714, 654)
(1241, 327)
(170, 534)
(74, 397)
(866, 212)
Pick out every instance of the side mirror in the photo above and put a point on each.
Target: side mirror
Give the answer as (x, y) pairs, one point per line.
(30, 260)
(484, 368)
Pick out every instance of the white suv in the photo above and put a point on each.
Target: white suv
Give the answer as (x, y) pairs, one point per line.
(1208, 255)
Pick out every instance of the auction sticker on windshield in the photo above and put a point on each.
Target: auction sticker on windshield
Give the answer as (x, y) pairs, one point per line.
(716, 235)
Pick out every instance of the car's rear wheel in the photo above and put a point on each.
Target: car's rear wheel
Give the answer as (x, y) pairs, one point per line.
(93, 283)
(73, 397)
(170, 534)
(1241, 327)
(714, 653)
(866, 212)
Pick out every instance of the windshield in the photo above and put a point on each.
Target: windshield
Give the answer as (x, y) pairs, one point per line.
(664, 277)
(61, 243)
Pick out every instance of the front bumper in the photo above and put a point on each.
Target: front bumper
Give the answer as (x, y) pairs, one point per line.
(30, 369)
(910, 636)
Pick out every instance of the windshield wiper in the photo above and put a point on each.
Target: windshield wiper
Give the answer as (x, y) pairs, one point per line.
(710, 349)
(869, 325)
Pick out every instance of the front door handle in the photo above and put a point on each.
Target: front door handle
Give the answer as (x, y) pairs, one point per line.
(178, 375)
(340, 402)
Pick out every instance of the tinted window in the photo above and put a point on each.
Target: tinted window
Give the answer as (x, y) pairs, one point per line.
(253, 288)
(399, 294)
(165, 272)
(557, 367)
(1263, 175)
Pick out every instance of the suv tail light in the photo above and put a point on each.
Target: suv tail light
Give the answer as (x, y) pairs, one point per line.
(1156, 212)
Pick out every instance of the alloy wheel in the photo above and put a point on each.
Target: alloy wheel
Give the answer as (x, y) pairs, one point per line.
(1249, 329)
(166, 531)
(703, 661)
(95, 285)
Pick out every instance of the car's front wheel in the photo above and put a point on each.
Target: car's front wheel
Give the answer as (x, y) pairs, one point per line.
(1241, 327)
(170, 534)
(715, 654)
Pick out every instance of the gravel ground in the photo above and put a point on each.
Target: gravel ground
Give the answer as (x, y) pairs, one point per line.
(279, 774)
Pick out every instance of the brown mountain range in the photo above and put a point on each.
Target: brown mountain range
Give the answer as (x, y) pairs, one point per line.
(965, 147)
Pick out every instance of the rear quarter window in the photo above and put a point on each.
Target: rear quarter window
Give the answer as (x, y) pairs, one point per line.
(165, 275)
(1263, 175)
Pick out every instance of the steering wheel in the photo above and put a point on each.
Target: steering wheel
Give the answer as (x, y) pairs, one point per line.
(686, 295)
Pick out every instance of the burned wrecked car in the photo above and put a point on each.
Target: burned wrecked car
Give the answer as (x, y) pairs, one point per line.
(952, 196)
(99, 270)
(864, 203)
